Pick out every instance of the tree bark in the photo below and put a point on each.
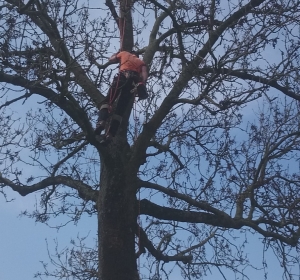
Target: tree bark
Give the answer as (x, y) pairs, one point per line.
(116, 224)
(125, 26)
(117, 215)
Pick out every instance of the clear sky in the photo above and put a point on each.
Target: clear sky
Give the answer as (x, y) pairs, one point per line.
(23, 242)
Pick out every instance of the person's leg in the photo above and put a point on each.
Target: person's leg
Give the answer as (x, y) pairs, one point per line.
(142, 91)
(121, 106)
(103, 115)
(114, 125)
(113, 93)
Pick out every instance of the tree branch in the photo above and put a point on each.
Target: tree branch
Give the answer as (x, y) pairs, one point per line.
(7, 103)
(177, 27)
(113, 11)
(150, 128)
(246, 76)
(76, 150)
(165, 148)
(84, 190)
(26, 6)
(49, 27)
(72, 109)
(166, 213)
(199, 204)
(64, 142)
(145, 242)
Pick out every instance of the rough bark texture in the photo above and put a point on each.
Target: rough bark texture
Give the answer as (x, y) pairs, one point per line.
(116, 226)
(126, 30)
(117, 196)
(117, 219)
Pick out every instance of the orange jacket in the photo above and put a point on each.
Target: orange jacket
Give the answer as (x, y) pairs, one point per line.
(129, 61)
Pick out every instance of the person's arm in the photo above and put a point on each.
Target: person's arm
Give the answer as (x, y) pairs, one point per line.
(114, 58)
(144, 74)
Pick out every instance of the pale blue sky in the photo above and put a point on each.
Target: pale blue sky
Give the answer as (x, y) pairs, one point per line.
(23, 242)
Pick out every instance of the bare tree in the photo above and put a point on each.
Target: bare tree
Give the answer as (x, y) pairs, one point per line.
(196, 164)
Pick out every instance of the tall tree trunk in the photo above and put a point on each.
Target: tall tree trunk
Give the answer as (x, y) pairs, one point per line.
(117, 215)
(126, 26)
(116, 224)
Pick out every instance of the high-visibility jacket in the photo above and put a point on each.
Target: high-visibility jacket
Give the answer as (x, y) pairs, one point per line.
(130, 62)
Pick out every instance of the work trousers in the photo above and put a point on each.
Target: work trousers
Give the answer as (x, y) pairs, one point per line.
(120, 91)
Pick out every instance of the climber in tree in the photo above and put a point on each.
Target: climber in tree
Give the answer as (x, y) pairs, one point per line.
(131, 79)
